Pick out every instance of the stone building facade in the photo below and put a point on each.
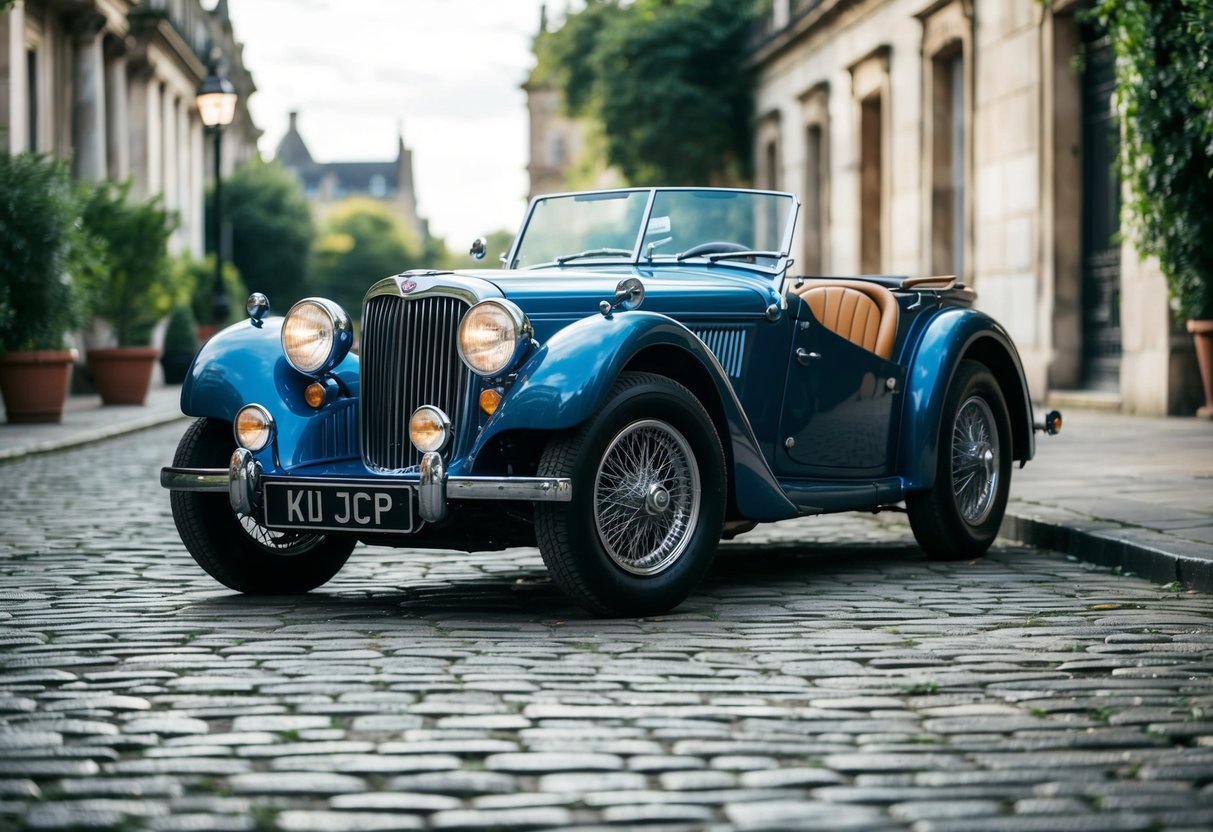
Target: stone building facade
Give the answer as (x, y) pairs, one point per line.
(110, 86)
(974, 137)
(564, 152)
(325, 184)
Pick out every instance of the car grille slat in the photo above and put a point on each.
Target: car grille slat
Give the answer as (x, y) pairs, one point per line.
(408, 358)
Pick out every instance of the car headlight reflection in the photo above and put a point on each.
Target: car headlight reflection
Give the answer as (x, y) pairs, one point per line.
(493, 336)
(316, 336)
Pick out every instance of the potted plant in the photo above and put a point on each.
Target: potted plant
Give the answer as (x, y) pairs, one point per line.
(1164, 89)
(40, 245)
(180, 345)
(131, 289)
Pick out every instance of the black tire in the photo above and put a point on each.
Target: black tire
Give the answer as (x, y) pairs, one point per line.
(639, 553)
(959, 516)
(237, 551)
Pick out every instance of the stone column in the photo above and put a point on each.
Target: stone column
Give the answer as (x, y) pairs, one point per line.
(139, 140)
(168, 122)
(88, 98)
(14, 106)
(155, 137)
(118, 114)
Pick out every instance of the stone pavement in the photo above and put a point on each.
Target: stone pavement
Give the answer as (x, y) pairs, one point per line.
(1133, 493)
(825, 676)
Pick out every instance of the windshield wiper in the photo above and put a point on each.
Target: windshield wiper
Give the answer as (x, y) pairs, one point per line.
(729, 255)
(593, 252)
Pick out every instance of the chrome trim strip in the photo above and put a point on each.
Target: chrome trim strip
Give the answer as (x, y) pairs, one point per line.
(531, 489)
(194, 479)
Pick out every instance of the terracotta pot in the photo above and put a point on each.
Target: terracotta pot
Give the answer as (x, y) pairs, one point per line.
(123, 374)
(1202, 335)
(35, 384)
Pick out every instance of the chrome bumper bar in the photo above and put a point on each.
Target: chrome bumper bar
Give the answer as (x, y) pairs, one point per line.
(242, 482)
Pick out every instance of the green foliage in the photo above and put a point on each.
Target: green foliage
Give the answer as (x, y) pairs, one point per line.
(1164, 89)
(272, 231)
(41, 247)
(362, 241)
(197, 279)
(132, 284)
(666, 79)
(181, 336)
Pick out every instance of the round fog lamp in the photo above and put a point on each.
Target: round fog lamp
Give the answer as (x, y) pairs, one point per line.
(254, 427)
(429, 429)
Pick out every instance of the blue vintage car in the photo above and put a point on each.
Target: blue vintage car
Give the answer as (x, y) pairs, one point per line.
(645, 376)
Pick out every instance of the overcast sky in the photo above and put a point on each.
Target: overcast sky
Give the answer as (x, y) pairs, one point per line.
(445, 71)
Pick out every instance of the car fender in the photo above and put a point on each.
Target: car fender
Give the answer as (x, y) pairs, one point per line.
(244, 364)
(951, 336)
(568, 379)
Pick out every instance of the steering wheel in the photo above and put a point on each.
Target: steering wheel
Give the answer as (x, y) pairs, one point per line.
(714, 247)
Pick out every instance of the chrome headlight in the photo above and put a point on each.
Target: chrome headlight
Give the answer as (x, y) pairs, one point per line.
(493, 337)
(254, 427)
(429, 429)
(316, 336)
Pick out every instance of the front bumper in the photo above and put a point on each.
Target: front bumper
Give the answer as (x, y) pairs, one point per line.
(435, 489)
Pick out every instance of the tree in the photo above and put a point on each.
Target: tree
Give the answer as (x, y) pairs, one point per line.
(1164, 89)
(362, 241)
(666, 79)
(272, 231)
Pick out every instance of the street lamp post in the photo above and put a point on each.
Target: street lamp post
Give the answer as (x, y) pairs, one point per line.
(216, 100)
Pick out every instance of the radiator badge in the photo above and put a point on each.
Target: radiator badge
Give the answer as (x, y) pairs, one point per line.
(407, 286)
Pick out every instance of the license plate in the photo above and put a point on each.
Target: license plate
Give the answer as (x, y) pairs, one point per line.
(340, 507)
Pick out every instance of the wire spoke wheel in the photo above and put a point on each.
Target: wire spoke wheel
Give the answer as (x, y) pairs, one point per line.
(279, 542)
(649, 496)
(975, 460)
(646, 497)
(960, 514)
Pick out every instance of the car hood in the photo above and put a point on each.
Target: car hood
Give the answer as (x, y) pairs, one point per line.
(576, 293)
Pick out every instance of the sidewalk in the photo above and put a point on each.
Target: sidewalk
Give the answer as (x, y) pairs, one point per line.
(86, 420)
(1121, 491)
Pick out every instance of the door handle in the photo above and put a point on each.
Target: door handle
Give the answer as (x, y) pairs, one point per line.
(803, 356)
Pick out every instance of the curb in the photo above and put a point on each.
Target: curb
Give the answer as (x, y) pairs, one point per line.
(89, 437)
(1157, 557)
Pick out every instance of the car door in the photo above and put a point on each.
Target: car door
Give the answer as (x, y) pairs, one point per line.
(840, 405)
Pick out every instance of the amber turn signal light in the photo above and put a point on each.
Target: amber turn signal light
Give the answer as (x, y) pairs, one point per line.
(314, 394)
(1053, 422)
(489, 400)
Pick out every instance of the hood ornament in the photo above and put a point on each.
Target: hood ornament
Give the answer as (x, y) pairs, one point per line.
(629, 294)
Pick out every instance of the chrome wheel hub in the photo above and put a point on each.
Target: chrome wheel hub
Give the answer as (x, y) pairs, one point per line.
(975, 460)
(646, 497)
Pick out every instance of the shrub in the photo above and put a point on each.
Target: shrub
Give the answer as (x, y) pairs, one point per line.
(197, 278)
(41, 246)
(133, 285)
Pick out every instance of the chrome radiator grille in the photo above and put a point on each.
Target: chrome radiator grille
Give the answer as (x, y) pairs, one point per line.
(408, 358)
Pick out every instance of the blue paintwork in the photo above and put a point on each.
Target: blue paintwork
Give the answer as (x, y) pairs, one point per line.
(244, 364)
(569, 377)
(946, 338)
(857, 441)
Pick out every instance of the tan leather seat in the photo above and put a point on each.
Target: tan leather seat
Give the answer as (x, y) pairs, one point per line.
(863, 313)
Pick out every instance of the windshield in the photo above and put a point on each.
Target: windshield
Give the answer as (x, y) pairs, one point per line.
(670, 225)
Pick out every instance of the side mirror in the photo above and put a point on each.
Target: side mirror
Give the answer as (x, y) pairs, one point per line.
(480, 247)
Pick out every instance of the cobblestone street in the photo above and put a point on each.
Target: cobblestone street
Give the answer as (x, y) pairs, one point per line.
(825, 676)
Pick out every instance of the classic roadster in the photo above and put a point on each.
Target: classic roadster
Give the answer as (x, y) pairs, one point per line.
(643, 377)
